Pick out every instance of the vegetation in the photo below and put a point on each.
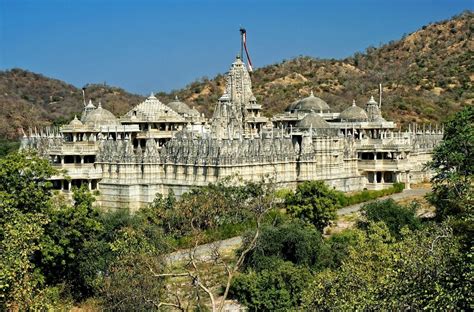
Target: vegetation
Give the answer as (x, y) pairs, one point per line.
(8, 146)
(313, 202)
(366, 195)
(57, 251)
(395, 216)
(453, 164)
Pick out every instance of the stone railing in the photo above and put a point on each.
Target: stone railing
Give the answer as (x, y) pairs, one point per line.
(383, 165)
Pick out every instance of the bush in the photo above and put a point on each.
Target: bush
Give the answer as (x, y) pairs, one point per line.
(313, 202)
(394, 215)
(277, 288)
(293, 241)
(364, 196)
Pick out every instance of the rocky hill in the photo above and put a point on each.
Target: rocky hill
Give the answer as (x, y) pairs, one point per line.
(32, 100)
(426, 75)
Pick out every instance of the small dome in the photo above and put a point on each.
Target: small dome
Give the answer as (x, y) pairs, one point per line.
(312, 120)
(372, 101)
(90, 106)
(354, 113)
(76, 122)
(101, 117)
(308, 104)
(182, 108)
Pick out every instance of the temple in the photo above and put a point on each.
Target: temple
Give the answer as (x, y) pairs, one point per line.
(158, 148)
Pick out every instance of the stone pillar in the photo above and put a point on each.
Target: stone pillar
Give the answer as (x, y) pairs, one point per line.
(62, 185)
(62, 159)
(82, 159)
(407, 179)
(89, 185)
(382, 180)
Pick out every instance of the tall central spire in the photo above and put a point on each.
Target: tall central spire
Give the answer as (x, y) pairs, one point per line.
(229, 115)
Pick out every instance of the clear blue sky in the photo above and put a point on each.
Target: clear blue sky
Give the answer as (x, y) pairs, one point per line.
(145, 46)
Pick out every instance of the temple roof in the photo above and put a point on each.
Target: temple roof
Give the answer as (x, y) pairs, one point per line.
(312, 120)
(152, 110)
(75, 122)
(354, 113)
(100, 117)
(308, 104)
(182, 108)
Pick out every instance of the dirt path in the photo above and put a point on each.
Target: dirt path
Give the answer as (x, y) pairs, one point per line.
(204, 252)
(405, 194)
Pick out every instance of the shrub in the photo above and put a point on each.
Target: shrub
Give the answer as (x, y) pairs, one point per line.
(394, 215)
(277, 288)
(313, 202)
(360, 197)
(293, 241)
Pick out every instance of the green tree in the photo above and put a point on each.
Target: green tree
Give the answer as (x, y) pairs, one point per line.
(24, 183)
(423, 270)
(453, 164)
(292, 241)
(314, 203)
(394, 215)
(277, 288)
(72, 233)
(131, 283)
(24, 200)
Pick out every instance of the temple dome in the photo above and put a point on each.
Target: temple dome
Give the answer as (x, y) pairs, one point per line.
(308, 104)
(354, 113)
(75, 122)
(182, 108)
(312, 120)
(101, 117)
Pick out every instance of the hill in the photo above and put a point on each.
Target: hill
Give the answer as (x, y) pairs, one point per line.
(426, 75)
(32, 100)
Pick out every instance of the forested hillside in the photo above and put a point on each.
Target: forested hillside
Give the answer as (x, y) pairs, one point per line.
(30, 99)
(425, 75)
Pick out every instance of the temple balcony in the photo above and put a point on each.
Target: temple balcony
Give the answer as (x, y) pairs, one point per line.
(156, 134)
(395, 143)
(79, 171)
(76, 148)
(383, 165)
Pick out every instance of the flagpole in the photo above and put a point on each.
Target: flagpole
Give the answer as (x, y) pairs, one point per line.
(242, 43)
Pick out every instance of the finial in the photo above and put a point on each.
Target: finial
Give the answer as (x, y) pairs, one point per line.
(312, 94)
(353, 102)
(75, 117)
(100, 105)
(90, 101)
(176, 98)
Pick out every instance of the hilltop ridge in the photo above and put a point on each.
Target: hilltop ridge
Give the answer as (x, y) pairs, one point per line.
(425, 75)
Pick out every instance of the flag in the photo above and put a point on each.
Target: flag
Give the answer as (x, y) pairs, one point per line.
(244, 41)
